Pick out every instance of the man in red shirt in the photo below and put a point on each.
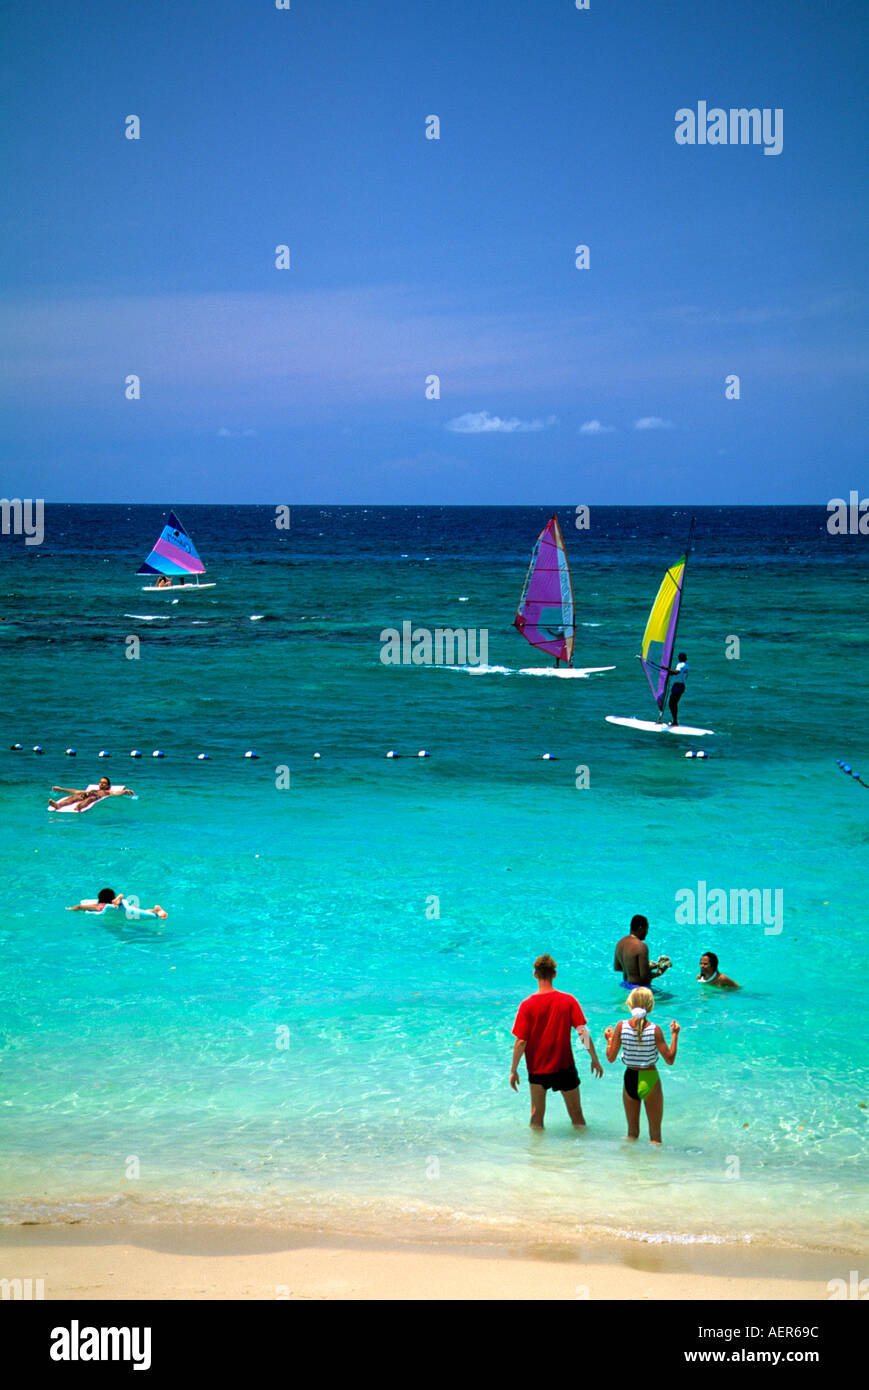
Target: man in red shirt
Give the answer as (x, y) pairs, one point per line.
(542, 1031)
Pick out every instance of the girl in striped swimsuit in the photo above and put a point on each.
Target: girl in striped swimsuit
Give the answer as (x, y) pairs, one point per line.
(641, 1042)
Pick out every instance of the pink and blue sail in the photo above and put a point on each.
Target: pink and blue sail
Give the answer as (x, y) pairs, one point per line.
(545, 616)
(174, 552)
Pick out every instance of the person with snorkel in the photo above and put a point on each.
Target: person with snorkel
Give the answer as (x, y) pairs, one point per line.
(642, 1042)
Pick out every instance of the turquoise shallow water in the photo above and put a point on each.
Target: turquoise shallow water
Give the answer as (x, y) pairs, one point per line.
(309, 908)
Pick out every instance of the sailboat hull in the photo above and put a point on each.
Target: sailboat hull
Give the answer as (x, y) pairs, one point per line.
(176, 588)
(652, 726)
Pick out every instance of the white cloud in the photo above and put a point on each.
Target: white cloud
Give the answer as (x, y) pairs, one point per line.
(224, 433)
(595, 427)
(481, 422)
(652, 422)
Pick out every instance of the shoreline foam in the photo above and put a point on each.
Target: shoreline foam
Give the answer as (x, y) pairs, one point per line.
(344, 1218)
(170, 1261)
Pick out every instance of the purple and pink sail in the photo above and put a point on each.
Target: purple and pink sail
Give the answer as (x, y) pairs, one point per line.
(546, 614)
(174, 552)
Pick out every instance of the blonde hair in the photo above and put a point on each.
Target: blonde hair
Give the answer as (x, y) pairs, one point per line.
(640, 998)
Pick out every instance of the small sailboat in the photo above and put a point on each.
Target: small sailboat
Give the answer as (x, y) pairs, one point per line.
(659, 643)
(174, 558)
(545, 616)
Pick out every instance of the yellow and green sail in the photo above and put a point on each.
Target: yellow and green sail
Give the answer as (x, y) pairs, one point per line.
(659, 638)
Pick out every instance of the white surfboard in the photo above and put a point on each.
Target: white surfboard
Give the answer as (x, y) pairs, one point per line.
(652, 726)
(564, 672)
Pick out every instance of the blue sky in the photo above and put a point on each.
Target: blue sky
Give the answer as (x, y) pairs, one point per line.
(412, 257)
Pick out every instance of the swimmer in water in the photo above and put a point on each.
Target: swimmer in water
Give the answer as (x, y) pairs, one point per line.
(641, 1043)
(711, 975)
(84, 799)
(107, 897)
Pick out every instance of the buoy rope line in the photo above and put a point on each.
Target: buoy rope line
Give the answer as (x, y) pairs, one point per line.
(250, 753)
(849, 771)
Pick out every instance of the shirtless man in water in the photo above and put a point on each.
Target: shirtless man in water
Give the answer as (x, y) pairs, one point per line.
(86, 798)
(632, 956)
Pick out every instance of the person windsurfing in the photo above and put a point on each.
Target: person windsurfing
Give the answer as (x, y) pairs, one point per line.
(677, 689)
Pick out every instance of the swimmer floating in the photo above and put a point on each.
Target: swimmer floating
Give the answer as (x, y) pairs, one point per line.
(107, 899)
(83, 799)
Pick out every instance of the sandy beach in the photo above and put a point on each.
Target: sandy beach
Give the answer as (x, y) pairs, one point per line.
(208, 1263)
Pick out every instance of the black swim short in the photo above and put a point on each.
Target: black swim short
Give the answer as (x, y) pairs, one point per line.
(565, 1080)
(677, 689)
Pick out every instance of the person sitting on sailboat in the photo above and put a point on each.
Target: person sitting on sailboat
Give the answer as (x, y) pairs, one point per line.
(86, 798)
(164, 582)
